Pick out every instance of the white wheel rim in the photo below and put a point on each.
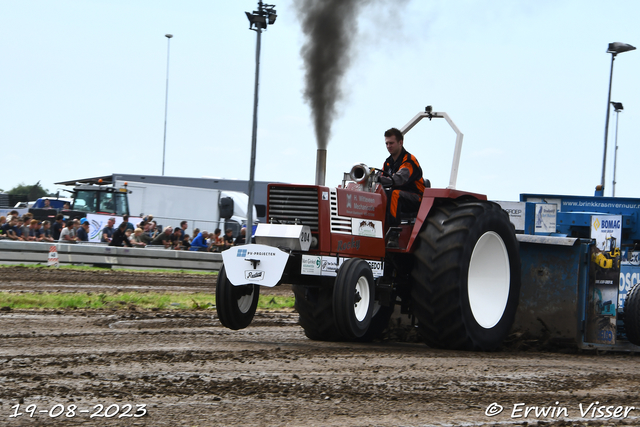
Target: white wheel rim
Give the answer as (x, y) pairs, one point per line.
(361, 307)
(245, 301)
(488, 280)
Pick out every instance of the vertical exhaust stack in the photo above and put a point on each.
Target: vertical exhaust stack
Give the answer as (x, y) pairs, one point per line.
(321, 166)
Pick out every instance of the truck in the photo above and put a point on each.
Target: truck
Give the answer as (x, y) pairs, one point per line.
(202, 208)
(453, 265)
(468, 272)
(210, 183)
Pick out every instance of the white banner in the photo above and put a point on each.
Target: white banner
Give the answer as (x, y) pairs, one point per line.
(97, 222)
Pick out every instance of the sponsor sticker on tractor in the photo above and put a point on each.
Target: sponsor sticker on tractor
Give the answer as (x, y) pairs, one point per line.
(328, 265)
(311, 265)
(256, 264)
(366, 227)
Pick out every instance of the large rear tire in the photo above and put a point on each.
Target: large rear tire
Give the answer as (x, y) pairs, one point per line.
(236, 305)
(353, 298)
(632, 315)
(379, 323)
(466, 276)
(314, 305)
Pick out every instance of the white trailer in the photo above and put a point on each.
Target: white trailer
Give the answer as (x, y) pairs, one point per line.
(203, 208)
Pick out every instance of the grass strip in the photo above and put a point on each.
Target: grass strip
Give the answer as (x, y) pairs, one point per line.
(91, 268)
(126, 300)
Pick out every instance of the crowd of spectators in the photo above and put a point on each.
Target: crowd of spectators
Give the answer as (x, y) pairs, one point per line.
(25, 228)
(145, 233)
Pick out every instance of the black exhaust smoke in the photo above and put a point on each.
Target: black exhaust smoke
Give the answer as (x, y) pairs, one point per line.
(329, 27)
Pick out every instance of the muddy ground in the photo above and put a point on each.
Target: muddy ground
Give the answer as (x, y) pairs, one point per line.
(174, 368)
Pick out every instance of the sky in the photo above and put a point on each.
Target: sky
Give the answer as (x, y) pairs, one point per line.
(82, 92)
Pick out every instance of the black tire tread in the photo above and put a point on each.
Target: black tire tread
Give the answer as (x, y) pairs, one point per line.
(437, 273)
(343, 298)
(228, 313)
(632, 315)
(314, 305)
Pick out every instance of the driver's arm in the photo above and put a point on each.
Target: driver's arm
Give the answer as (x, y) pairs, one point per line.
(397, 179)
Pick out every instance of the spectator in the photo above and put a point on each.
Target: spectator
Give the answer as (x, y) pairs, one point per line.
(196, 231)
(10, 228)
(163, 238)
(57, 227)
(83, 231)
(227, 240)
(176, 239)
(24, 224)
(3, 221)
(151, 230)
(45, 233)
(186, 242)
(138, 239)
(18, 229)
(38, 229)
(66, 206)
(215, 241)
(143, 236)
(47, 204)
(107, 231)
(125, 219)
(68, 234)
(241, 239)
(76, 225)
(119, 237)
(199, 242)
(184, 225)
(32, 231)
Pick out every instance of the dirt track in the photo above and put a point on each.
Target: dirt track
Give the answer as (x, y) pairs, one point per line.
(190, 371)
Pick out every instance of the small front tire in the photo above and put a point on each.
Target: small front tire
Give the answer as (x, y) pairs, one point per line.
(353, 298)
(236, 305)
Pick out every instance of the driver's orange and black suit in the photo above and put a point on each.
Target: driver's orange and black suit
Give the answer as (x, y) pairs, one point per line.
(403, 184)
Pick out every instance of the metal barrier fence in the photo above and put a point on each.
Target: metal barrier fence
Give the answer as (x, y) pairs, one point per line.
(108, 256)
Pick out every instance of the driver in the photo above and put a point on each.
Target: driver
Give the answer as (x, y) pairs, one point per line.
(402, 178)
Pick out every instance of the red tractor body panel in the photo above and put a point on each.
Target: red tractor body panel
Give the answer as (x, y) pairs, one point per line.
(348, 222)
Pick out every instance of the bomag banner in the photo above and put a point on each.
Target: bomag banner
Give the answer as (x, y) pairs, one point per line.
(604, 276)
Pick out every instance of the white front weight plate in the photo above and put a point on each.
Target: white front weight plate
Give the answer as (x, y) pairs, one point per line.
(258, 264)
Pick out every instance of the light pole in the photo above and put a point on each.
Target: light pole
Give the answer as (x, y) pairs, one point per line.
(614, 49)
(166, 103)
(258, 21)
(617, 107)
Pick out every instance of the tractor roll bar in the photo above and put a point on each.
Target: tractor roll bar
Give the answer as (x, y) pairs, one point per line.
(458, 148)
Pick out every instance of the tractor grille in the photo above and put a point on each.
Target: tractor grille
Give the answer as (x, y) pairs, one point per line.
(339, 224)
(294, 205)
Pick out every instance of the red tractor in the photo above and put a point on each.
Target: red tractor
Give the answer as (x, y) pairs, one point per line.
(454, 264)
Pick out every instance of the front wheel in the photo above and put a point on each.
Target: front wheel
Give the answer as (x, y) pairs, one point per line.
(466, 276)
(236, 305)
(353, 298)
